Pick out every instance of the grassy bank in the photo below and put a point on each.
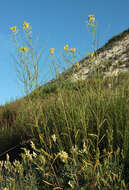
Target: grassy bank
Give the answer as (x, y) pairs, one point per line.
(78, 132)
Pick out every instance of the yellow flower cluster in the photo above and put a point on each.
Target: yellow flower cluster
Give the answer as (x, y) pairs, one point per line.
(91, 18)
(72, 50)
(77, 64)
(52, 50)
(25, 25)
(14, 29)
(66, 47)
(91, 54)
(23, 49)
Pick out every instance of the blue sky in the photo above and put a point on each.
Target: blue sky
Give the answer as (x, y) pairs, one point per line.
(58, 22)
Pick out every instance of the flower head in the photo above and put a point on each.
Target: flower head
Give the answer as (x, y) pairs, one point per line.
(14, 29)
(51, 50)
(91, 19)
(23, 49)
(32, 145)
(91, 54)
(77, 64)
(72, 50)
(66, 47)
(63, 156)
(91, 16)
(25, 25)
(74, 149)
(54, 137)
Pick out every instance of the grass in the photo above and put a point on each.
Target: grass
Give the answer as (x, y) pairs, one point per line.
(78, 134)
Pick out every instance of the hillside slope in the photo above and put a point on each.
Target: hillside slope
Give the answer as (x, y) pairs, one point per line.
(112, 58)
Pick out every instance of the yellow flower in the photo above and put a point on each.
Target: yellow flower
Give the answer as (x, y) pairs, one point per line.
(14, 29)
(91, 18)
(77, 64)
(72, 50)
(91, 54)
(51, 50)
(23, 49)
(25, 25)
(66, 47)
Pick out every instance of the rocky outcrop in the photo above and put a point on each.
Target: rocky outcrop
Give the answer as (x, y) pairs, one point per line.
(111, 59)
